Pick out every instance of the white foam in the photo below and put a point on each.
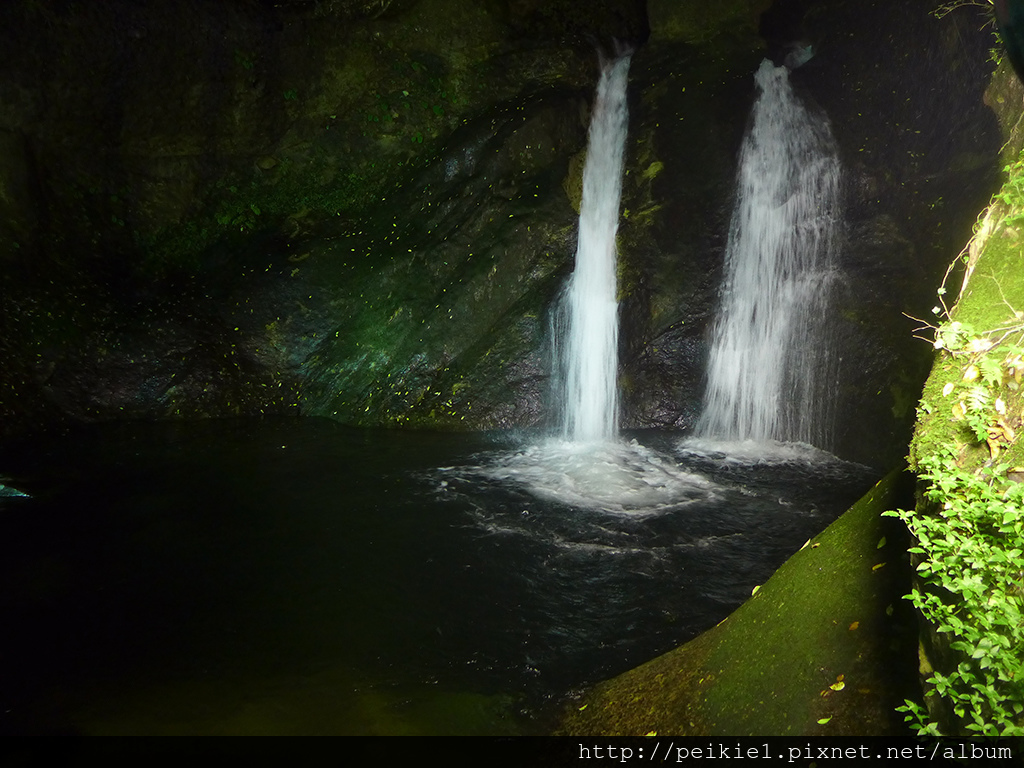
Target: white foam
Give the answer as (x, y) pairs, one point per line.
(755, 451)
(614, 476)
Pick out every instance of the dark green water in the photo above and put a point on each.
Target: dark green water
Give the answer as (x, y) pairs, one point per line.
(299, 577)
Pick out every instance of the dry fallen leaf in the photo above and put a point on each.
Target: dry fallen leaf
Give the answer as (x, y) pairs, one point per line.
(993, 448)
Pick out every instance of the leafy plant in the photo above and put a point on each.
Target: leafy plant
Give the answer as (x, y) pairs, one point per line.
(971, 573)
(971, 532)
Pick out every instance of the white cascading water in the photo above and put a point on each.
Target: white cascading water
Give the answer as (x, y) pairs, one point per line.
(769, 357)
(780, 255)
(588, 343)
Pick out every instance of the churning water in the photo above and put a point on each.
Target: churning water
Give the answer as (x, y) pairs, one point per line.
(769, 360)
(587, 345)
(293, 576)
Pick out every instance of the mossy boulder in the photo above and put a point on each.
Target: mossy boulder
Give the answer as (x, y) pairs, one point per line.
(816, 651)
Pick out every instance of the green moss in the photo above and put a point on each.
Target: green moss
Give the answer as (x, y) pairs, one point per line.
(988, 310)
(237, 210)
(572, 184)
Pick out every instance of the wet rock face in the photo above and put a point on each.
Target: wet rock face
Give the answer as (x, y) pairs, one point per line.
(359, 209)
(209, 208)
(439, 306)
(366, 209)
(920, 155)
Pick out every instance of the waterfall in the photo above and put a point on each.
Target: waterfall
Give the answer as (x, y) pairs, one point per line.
(588, 341)
(769, 350)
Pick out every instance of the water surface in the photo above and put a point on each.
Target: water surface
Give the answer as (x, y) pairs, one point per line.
(296, 576)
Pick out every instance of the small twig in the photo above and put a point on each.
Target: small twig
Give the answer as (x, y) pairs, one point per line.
(1002, 295)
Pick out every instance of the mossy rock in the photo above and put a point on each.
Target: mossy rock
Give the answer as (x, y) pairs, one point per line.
(812, 653)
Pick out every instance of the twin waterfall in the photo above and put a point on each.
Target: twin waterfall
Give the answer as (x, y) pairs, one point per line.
(768, 352)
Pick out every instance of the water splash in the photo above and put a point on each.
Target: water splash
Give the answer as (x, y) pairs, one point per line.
(769, 359)
(614, 477)
(588, 361)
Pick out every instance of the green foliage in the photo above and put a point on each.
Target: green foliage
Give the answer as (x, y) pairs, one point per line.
(969, 556)
(972, 575)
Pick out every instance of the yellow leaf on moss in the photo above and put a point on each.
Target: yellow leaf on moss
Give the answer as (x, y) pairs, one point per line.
(993, 448)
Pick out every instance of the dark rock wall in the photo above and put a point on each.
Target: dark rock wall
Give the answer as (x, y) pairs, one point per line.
(904, 91)
(366, 209)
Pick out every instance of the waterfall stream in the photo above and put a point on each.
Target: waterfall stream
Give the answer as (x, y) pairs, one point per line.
(769, 359)
(588, 361)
